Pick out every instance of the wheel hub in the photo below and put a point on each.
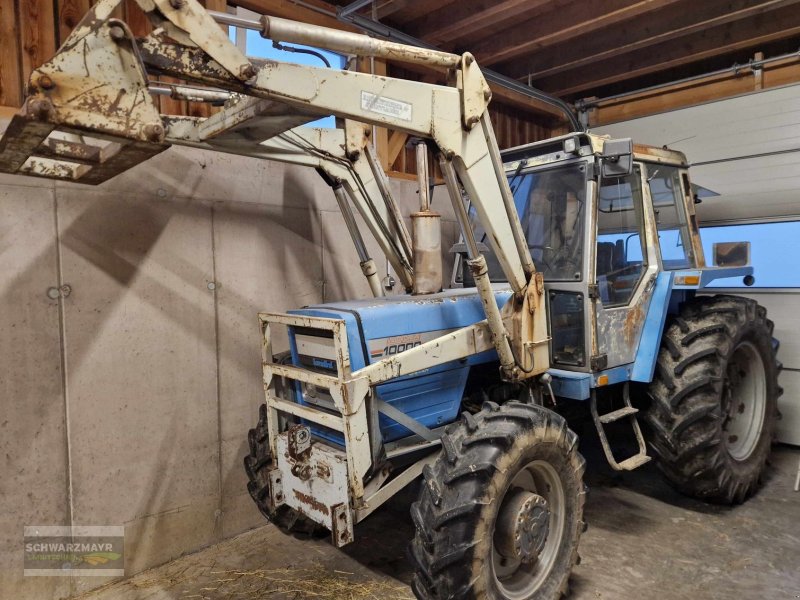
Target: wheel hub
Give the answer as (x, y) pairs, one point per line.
(522, 526)
(744, 401)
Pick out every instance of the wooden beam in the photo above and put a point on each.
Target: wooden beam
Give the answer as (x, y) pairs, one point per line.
(387, 8)
(578, 19)
(651, 29)
(136, 19)
(776, 25)
(10, 76)
(397, 141)
(70, 13)
(287, 9)
(404, 11)
(6, 112)
(37, 34)
(444, 25)
(695, 92)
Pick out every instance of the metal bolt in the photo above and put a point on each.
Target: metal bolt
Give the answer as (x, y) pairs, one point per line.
(212, 285)
(53, 293)
(117, 33)
(247, 71)
(45, 82)
(487, 94)
(154, 132)
(469, 59)
(40, 108)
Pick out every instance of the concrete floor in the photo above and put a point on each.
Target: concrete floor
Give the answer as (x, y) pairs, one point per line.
(644, 540)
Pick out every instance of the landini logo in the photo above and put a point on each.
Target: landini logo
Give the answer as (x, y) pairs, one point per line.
(80, 550)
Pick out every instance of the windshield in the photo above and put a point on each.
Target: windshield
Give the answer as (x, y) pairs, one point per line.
(551, 207)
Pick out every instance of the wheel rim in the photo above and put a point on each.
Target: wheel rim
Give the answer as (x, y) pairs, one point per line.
(745, 393)
(528, 531)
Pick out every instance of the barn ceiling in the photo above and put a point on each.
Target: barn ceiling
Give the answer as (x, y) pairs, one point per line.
(582, 48)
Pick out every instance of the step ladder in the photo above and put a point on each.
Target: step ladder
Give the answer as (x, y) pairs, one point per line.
(600, 421)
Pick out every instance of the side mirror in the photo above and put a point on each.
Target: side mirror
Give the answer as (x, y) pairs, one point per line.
(617, 158)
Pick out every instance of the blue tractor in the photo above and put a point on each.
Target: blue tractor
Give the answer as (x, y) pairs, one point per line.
(579, 280)
(500, 512)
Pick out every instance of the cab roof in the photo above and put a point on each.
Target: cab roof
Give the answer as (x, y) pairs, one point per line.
(552, 150)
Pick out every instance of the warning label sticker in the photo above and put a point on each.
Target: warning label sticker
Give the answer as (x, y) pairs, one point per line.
(385, 106)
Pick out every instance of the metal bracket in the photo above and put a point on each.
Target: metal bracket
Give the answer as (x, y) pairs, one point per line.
(299, 442)
(406, 421)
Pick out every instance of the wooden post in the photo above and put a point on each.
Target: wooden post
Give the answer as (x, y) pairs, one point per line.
(70, 13)
(10, 76)
(758, 74)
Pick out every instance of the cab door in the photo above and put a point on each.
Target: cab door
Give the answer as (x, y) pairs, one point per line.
(625, 268)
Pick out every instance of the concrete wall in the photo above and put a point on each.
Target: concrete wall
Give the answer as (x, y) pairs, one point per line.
(127, 402)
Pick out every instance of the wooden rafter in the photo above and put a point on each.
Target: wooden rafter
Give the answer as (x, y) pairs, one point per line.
(777, 25)
(387, 8)
(404, 11)
(575, 20)
(651, 29)
(287, 9)
(694, 92)
(449, 23)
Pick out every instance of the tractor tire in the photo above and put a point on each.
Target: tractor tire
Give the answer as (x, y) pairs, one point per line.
(257, 466)
(714, 398)
(500, 512)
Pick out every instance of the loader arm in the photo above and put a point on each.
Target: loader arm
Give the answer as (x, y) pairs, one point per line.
(96, 88)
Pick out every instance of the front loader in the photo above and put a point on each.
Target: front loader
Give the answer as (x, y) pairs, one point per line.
(574, 286)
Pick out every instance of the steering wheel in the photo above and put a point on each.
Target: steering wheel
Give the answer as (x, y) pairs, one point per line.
(544, 249)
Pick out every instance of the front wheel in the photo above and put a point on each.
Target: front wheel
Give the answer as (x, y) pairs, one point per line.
(500, 512)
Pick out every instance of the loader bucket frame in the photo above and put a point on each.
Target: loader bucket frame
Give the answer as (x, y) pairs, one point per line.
(89, 115)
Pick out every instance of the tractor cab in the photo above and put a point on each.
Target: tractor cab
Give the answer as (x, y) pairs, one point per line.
(609, 225)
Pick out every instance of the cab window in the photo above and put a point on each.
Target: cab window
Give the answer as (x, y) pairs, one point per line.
(673, 230)
(621, 254)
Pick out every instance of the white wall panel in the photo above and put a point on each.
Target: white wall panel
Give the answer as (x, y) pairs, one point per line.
(753, 124)
(750, 188)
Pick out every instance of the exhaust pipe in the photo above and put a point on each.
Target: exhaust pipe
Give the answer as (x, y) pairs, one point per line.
(426, 226)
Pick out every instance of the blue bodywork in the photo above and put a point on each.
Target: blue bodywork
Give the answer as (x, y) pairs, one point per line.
(433, 396)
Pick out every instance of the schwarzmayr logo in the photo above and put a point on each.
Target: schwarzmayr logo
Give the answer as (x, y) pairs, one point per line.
(80, 550)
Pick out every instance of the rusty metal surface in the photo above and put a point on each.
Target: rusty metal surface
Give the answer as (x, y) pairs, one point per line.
(427, 252)
(96, 84)
(315, 483)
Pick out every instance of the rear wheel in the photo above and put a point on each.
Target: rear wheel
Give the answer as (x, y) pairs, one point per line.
(715, 397)
(500, 512)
